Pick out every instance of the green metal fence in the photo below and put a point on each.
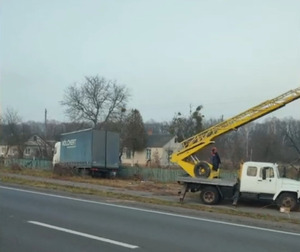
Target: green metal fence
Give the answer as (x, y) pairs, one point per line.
(155, 174)
(126, 172)
(162, 174)
(28, 163)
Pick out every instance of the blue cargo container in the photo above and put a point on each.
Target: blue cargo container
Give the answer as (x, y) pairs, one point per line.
(91, 151)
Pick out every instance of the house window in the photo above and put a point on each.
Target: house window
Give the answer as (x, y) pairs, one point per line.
(128, 153)
(170, 152)
(148, 154)
(15, 151)
(3, 150)
(27, 151)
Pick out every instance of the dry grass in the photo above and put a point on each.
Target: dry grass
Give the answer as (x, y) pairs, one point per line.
(157, 188)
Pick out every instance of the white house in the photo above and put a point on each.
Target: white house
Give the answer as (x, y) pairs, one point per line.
(9, 151)
(157, 153)
(36, 147)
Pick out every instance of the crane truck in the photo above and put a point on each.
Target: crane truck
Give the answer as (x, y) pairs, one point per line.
(257, 180)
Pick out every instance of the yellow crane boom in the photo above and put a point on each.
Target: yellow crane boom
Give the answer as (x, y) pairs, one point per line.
(190, 163)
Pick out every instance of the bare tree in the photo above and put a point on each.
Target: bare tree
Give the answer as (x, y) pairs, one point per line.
(185, 127)
(12, 120)
(96, 100)
(12, 131)
(291, 137)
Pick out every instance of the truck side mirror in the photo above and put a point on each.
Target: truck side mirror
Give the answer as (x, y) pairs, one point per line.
(264, 173)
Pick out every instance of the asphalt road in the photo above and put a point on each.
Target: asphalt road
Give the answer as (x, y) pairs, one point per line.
(36, 221)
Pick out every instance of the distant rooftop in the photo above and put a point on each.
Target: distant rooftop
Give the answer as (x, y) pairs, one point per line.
(158, 140)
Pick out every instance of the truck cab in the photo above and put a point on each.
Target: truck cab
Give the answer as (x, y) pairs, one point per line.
(56, 154)
(256, 181)
(262, 180)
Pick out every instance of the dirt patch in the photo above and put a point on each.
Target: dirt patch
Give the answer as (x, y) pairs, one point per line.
(157, 188)
(163, 189)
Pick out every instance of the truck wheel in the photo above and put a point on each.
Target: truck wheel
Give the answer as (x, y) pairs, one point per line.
(288, 200)
(111, 174)
(210, 195)
(84, 172)
(202, 169)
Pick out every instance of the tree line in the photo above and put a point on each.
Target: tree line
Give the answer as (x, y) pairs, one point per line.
(102, 104)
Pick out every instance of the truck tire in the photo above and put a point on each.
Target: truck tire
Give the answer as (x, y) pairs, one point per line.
(288, 200)
(84, 172)
(210, 195)
(111, 174)
(202, 169)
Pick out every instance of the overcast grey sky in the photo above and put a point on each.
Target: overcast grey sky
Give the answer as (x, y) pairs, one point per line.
(226, 55)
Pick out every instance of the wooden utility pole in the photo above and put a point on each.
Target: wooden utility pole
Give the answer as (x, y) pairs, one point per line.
(45, 123)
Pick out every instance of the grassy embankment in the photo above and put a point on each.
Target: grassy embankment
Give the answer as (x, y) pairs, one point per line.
(157, 188)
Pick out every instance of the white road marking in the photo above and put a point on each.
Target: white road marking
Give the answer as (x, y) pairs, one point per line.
(122, 244)
(152, 211)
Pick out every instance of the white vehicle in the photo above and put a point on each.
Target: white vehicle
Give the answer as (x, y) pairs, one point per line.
(257, 181)
(56, 156)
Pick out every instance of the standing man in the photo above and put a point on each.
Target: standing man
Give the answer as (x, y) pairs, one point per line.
(215, 159)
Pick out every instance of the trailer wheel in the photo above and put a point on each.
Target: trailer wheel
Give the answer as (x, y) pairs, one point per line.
(84, 172)
(210, 195)
(202, 169)
(288, 200)
(111, 174)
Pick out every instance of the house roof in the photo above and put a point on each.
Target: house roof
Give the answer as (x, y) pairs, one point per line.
(158, 140)
(36, 140)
